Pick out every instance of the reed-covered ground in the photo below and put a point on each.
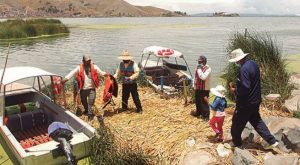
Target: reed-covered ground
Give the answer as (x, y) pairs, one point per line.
(18, 28)
(159, 135)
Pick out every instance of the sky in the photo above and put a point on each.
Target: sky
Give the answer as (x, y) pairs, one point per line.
(280, 7)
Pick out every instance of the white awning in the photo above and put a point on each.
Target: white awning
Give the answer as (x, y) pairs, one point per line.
(17, 73)
(162, 52)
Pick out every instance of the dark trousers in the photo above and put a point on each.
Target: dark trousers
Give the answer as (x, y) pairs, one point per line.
(126, 90)
(250, 113)
(202, 107)
(88, 97)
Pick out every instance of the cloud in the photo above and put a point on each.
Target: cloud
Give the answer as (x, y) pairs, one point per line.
(231, 6)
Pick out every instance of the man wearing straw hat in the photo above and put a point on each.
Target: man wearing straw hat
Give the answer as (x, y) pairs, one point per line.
(202, 86)
(129, 71)
(248, 99)
(87, 76)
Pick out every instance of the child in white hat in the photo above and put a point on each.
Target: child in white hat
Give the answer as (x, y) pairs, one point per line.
(218, 106)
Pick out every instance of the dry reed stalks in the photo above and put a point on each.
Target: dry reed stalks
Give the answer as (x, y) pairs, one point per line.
(164, 126)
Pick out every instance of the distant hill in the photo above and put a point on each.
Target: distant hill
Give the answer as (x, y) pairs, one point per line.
(78, 8)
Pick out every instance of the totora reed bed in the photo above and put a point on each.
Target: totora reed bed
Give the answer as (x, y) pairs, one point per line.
(164, 127)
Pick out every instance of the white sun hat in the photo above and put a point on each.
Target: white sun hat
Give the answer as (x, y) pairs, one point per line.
(236, 55)
(125, 56)
(219, 91)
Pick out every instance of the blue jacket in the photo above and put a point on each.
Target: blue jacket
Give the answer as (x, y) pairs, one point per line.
(219, 104)
(248, 84)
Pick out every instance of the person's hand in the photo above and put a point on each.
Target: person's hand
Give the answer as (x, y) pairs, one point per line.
(115, 76)
(206, 99)
(63, 81)
(232, 88)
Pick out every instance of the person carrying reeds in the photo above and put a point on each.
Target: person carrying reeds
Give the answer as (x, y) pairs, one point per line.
(218, 106)
(248, 99)
(129, 71)
(201, 86)
(87, 76)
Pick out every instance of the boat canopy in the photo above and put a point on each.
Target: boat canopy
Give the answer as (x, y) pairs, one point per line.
(162, 52)
(13, 74)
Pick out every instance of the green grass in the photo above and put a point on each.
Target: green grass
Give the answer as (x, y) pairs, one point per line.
(296, 114)
(31, 28)
(4, 159)
(107, 151)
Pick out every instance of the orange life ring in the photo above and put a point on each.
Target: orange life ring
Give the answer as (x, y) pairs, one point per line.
(164, 52)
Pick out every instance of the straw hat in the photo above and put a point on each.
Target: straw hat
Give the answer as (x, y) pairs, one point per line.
(236, 55)
(219, 91)
(125, 55)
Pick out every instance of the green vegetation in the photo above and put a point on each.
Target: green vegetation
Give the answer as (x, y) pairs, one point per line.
(107, 151)
(16, 29)
(263, 49)
(296, 114)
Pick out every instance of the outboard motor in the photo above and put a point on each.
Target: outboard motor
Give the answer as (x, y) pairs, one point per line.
(61, 133)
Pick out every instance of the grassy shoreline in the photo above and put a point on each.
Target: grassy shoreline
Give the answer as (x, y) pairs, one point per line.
(30, 29)
(33, 38)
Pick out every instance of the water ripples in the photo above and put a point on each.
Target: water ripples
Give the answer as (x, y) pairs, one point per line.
(192, 36)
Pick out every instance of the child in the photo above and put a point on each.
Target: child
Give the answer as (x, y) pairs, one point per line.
(217, 107)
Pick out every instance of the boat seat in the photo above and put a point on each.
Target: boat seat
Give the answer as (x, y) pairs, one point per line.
(26, 120)
(157, 72)
(153, 67)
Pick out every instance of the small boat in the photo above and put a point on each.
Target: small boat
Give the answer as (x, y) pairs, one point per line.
(33, 120)
(161, 73)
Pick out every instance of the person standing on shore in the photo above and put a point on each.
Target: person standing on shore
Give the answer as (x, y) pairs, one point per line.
(87, 76)
(218, 108)
(201, 85)
(248, 99)
(129, 71)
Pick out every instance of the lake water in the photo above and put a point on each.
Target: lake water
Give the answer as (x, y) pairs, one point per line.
(105, 38)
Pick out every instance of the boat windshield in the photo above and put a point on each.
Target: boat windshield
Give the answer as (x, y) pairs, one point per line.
(38, 84)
